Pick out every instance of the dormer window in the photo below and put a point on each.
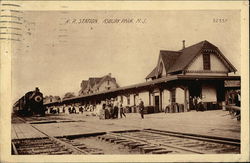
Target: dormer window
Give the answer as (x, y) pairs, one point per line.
(206, 61)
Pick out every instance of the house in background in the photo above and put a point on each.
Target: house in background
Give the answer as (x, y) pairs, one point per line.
(98, 84)
(51, 99)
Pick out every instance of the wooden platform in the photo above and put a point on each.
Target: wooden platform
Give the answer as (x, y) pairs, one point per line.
(213, 123)
(24, 131)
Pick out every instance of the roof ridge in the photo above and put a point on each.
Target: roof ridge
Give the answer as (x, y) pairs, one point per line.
(169, 51)
(194, 45)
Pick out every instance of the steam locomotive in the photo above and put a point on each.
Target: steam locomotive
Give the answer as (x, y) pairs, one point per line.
(30, 104)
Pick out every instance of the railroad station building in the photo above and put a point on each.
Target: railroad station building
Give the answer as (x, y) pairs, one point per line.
(199, 70)
(202, 70)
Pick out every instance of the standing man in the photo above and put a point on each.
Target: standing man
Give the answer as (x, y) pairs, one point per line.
(191, 103)
(237, 99)
(141, 108)
(195, 102)
(200, 104)
(116, 109)
(111, 109)
(121, 110)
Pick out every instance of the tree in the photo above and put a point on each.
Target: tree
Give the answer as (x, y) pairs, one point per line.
(69, 95)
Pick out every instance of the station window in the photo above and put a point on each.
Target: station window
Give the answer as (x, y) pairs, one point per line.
(206, 61)
(173, 95)
(128, 100)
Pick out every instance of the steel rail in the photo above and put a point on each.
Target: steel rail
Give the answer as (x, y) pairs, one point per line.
(156, 143)
(57, 141)
(195, 137)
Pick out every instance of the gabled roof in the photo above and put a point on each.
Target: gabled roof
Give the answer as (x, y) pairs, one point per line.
(94, 81)
(169, 58)
(84, 84)
(187, 55)
(102, 79)
(152, 73)
(175, 61)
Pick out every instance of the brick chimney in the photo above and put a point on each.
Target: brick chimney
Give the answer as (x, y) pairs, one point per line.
(183, 44)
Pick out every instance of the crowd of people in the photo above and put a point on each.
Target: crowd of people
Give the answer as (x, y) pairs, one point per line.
(108, 109)
(196, 103)
(70, 109)
(234, 98)
(111, 109)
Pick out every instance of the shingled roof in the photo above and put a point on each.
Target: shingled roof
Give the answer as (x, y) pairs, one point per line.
(169, 58)
(152, 73)
(189, 53)
(94, 81)
(175, 61)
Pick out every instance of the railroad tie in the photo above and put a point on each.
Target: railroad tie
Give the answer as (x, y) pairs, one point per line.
(163, 151)
(150, 149)
(120, 141)
(135, 145)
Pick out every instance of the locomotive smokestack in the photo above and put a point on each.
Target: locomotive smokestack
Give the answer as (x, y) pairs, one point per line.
(183, 44)
(37, 89)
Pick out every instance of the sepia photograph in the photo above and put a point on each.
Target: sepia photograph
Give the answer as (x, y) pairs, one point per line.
(124, 82)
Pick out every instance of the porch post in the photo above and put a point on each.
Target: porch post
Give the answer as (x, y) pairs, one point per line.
(186, 99)
(160, 101)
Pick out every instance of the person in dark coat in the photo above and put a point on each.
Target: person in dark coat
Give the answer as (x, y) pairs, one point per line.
(106, 112)
(73, 109)
(81, 110)
(122, 111)
(191, 103)
(141, 108)
(195, 102)
(237, 99)
(111, 110)
(116, 110)
(200, 104)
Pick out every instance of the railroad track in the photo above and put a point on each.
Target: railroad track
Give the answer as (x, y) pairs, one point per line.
(163, 142)
(50, 145)
(54, 146)
(147, 141)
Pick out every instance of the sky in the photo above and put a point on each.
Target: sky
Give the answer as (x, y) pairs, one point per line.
(56, 54)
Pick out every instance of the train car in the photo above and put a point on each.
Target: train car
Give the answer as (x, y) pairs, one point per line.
(30, 104)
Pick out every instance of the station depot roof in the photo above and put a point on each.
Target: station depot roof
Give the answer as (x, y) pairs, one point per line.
(150, 83)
